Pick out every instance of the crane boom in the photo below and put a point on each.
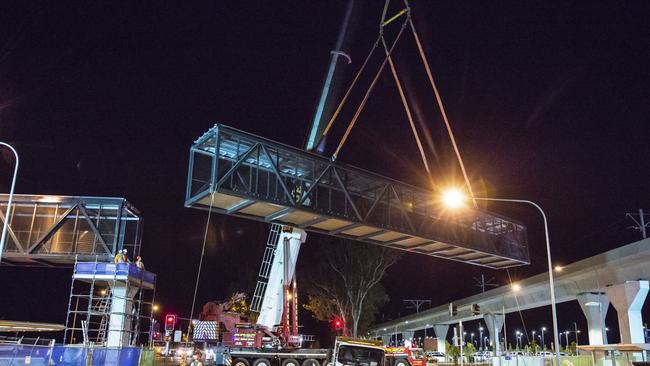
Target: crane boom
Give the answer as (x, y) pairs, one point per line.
(282, 270)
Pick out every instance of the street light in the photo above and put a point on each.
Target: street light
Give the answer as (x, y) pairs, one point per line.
(566, 334)
(534, 334)
(543, 343)
(472, 337)
(480, 329)
(451, 199)
(155, 307)
(11, 197)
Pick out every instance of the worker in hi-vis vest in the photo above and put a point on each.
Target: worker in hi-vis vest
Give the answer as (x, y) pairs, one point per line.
(120, 257)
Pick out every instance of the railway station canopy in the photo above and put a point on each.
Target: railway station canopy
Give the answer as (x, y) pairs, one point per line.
(49, 230)
(237, 173)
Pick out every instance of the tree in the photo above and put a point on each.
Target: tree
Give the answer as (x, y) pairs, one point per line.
(347, 283)
(452, 351)
(534, 346)
(468, 350)
(573, 348)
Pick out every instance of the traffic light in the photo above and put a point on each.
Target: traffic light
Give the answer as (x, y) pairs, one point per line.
(453, 309)
(170, 322)
(475, 309)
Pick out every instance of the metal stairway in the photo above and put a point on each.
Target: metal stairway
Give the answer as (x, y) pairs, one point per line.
(265, 267)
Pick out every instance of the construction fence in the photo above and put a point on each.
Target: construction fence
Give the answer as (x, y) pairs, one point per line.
(18, 355)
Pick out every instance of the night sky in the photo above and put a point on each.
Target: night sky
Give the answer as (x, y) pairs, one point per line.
(549, 101)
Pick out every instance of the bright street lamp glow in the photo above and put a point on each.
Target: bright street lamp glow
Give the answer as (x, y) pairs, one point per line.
(558, 268)
(453, 198)
(516, 287)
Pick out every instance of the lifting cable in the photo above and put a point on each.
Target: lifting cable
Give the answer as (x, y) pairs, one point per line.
(198, 272)
(367, 95)
(521, 316)
(400, 89)
(440, 105)
(347, 93)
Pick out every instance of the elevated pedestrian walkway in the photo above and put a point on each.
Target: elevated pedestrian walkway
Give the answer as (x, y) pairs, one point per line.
(237, 173)
(57, 230)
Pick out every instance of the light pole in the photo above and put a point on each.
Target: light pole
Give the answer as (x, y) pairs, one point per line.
(544, 344)
(11, 197)
(480, 329)
(455, 198)
(472, 337)
(566, 334)
(518, 334)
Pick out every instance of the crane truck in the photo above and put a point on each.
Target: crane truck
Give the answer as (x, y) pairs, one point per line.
(273, 339)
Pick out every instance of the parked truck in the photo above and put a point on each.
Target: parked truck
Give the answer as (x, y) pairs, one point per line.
(405, 356)
(346, 352)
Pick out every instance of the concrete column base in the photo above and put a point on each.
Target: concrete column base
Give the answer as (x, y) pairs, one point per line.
(119, 323)
(494, 324)
(594, 306)
(441, 331)
(628, 299)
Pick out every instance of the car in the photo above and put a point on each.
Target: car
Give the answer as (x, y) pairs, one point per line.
(435, 356)
(481, 356)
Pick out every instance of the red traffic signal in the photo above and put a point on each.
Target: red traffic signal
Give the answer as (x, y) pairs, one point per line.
(338, 323)
(170, 321)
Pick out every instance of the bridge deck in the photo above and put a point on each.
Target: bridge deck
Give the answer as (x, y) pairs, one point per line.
(253, 177)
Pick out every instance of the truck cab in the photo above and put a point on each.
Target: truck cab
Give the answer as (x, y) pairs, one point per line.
(356, 352)
(405, 356)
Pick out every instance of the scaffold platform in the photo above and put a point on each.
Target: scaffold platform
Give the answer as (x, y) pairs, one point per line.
(237, 173)
(110, 305)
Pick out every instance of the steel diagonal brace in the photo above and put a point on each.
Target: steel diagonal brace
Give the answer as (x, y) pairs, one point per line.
(401, 208)
(278, 175)
(236, 165)
(12, 234)
(94, 228)
(314, 184)
(374, 204)
(347, 194)
(57, 225)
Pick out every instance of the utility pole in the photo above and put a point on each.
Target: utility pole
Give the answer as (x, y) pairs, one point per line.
(416, 304)
(482, 283)
(641, 224)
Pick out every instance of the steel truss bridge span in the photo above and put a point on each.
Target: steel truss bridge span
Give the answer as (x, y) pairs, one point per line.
(48, 230)
(240, 174)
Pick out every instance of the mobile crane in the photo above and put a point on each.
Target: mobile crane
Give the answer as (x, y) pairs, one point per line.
(244, 175)
(274, 337)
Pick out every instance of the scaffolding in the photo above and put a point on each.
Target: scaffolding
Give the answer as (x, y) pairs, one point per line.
(110, 305)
